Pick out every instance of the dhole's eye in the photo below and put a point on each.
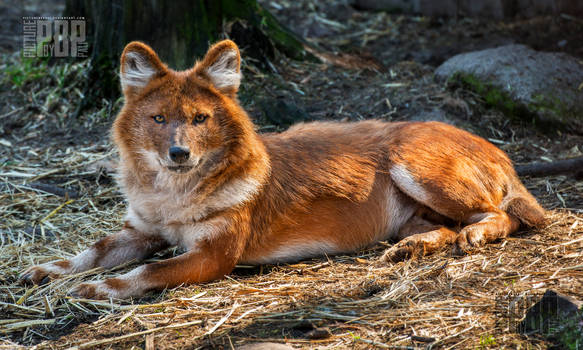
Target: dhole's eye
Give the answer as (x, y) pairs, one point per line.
(199, 118)
(159, 119)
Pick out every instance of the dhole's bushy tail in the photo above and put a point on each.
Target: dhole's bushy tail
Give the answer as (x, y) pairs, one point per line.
(523, 206)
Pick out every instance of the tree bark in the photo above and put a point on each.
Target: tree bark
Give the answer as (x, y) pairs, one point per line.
(180, 31)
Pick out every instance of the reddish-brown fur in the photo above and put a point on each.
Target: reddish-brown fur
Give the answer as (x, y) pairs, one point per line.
(317, 188)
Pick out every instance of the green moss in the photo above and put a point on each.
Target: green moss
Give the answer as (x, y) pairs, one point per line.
(568, 334)
(493, 96)
(550, 104)
(546, 112)
(282, 38)
(26, 69)
(487, 341)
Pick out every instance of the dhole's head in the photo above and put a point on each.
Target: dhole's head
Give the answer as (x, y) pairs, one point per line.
(185, 122)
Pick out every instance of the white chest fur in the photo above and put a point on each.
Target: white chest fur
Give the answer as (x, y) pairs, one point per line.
(184, 234)
(179, 217)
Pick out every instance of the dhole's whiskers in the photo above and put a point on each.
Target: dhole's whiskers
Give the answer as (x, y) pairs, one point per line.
(157, 163)
(178, 179)
(182, 168)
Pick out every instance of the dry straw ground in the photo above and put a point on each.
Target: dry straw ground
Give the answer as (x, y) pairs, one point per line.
(57, 197)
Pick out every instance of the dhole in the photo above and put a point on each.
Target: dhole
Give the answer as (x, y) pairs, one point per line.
(197, 175)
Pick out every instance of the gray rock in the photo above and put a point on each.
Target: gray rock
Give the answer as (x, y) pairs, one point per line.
(543, 86)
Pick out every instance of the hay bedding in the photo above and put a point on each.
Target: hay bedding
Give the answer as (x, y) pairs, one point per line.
(57, 197)
(348, 301)
(341, 301)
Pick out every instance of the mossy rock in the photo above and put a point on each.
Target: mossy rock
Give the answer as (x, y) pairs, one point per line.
(539, 87)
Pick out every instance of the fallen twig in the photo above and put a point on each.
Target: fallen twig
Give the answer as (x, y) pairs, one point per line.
(53, 189)
(565, 166)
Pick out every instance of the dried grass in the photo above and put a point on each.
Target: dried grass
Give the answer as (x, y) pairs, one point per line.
(440, 300)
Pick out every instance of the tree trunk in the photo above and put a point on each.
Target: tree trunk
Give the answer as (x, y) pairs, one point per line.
(180, 31)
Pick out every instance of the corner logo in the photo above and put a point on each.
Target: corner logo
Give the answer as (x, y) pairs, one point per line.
(54, 37)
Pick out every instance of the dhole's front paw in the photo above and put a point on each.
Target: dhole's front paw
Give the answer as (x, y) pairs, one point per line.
(402, 250)
(39, 274)
(89, 290)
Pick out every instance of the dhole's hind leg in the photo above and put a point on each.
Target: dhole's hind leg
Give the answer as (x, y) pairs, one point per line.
(419, 237)
(485, 227)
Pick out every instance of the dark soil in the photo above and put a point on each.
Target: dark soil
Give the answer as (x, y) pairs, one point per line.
(395, 38)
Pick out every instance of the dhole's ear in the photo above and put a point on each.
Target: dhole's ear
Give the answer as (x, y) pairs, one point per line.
(139, 65)
(222, 66)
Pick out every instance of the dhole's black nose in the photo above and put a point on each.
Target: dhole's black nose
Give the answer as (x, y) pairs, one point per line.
(178, 154)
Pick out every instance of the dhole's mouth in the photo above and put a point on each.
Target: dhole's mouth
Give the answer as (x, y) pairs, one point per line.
(158, 163)
(181, 169)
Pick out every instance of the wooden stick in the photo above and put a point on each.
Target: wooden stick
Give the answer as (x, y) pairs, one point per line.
(53, 189)
(573, 166)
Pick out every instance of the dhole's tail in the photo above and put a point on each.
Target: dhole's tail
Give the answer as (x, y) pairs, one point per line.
(523, 206)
